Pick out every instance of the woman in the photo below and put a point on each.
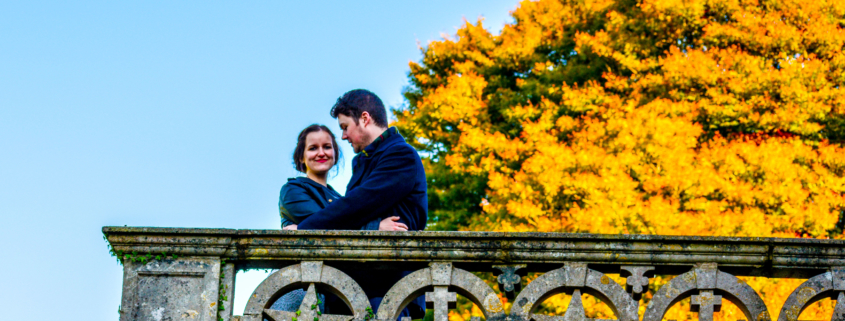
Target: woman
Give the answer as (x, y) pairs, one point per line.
(315, 154)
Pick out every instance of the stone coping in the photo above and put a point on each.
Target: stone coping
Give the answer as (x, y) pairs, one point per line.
(459, 234)
(744, 256)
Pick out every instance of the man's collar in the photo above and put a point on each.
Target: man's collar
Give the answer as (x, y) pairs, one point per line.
(372, 147)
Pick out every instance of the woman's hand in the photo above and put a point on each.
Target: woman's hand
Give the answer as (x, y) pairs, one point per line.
(291, 227)
(390, 224)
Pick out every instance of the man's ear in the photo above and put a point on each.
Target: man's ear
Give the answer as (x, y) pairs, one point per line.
(365, 119)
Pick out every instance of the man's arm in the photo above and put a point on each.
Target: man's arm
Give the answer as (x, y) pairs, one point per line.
(372, 225)
(390, 181)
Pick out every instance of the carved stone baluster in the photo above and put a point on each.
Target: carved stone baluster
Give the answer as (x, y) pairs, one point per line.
(510, 281)
(705, 304)
(576, 276)
(636, 282)
(309, 310)
(830, 284)
(573, 278)
(441, 300)
(707, 279)
(440, 276)
(838, 282)
(296, 276)
(839, 309)
(575, 310)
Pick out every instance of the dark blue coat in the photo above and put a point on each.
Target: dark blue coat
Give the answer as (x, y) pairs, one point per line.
(388, 179)
(301, 197)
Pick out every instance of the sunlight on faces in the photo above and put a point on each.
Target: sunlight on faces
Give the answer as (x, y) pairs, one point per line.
(355, 133)
(319, 153)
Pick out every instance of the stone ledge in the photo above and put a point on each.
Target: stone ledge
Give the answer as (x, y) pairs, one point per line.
(749, 256)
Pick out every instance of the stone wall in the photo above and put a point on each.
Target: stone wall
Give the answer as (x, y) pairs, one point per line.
(188, 274)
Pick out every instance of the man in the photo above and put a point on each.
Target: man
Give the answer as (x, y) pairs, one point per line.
(388, 180)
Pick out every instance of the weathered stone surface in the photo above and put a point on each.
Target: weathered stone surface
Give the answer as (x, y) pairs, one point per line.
(839, 308)
(838, 278)
(509, 279)
(190, 283)
(752, 256)
(575, 274)
(575, 310)
(477, 291)
(636, 279)
(816, 288)
(311, 271)
(290, 277)
(308, 310)
(682, 286)
(182, 289)
(421, 282)
(441, 273)
(441, 300)
(705, 275)
(705, 304)
(407, 289)
(227, 291)
(558, 280)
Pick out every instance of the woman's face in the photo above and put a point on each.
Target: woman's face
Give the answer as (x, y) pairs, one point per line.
(319, 156)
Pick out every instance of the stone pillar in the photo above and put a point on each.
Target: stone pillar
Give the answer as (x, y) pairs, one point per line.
(187, 288)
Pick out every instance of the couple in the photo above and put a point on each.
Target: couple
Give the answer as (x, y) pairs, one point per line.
(387, 191)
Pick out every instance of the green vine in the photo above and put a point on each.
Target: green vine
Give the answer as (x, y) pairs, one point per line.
(221, 293)
(313, 306)
(135, 256)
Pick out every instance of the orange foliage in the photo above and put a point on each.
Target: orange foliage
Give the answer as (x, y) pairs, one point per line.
(678, 117)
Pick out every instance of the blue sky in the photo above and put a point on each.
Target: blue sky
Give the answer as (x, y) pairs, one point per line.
(174, 113)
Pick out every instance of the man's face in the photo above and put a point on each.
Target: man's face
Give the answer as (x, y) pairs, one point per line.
(352, 132)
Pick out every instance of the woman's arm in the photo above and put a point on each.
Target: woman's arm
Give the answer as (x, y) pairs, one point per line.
(295, 204)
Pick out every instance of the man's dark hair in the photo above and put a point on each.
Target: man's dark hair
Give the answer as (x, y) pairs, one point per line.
(299, 151)
(355, 102)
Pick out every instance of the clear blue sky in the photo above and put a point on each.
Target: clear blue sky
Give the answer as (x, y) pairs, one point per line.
(173, 113)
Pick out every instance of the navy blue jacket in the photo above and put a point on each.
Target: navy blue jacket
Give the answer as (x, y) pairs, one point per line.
(301, 196)
(388, 179)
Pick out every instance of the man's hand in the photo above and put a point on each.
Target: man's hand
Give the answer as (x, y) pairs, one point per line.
(390, 224)
(291, 227)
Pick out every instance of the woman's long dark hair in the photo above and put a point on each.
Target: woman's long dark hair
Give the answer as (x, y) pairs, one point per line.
(299, 152)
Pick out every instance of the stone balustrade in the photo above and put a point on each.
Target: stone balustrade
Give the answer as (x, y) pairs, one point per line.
(189, 274)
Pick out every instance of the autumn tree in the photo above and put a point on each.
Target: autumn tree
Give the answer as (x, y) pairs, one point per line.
(674, 117)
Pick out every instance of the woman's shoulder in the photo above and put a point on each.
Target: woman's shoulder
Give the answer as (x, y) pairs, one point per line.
(292, 182)
(298, 187)
(293, 188)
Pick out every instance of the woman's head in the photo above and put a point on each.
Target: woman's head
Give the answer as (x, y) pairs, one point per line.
(316, 150)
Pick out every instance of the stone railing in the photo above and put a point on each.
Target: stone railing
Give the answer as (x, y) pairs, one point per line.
(188, 274)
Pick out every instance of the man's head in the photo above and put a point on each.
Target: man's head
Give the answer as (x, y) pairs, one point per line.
(362, 117)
